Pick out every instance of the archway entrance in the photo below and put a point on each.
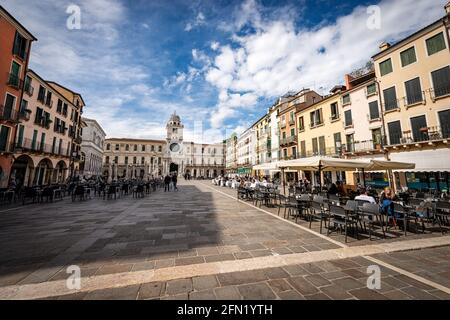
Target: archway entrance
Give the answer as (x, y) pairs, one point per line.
(43, 172)
(173, 168)
(60, 172)
(21, 170)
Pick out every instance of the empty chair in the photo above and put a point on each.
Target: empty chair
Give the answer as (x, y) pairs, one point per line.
(317, 211)
(370, 215)
(402, 214)
(341, 219)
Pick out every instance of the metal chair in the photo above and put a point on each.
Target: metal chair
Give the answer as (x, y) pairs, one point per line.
(317, 211)
(341, 219)
(370, 214)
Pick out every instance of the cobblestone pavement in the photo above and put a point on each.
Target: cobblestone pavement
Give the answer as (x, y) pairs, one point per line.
(197, 226)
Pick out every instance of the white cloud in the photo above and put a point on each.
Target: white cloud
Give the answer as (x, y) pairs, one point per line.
(198, 21)
(277, 57)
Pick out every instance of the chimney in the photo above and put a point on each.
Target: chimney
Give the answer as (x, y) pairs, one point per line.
(348, 79)
(384, 46)
(447, 8)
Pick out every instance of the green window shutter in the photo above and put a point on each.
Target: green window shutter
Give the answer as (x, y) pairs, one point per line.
(441, 81)
(386, 67)
(4, 134)
(408, 56)
(348, 118)
(435, 44)
(374, 111)
(33, 142)
(20, 135)
(371, 89)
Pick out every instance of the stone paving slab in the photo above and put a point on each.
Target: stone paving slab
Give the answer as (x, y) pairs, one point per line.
(348, 281)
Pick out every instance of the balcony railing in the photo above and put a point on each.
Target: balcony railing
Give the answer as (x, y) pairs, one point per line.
(25, 114)
(288, 140)
(14, 81)
(440, 92)
(8, 114)
(414, 99)
(28, 145)
(28, 89)
(423, 135)
(364, 146)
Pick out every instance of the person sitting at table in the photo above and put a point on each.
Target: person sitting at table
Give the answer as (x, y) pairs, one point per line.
(333, 189)
(387, 199)
(364, 196)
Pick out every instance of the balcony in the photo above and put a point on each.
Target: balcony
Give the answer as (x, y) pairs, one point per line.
(27, 145)
(391, 106)
(439, 93)
(426, 135)
(25, 114)
(283, 124)
(288, 141)
(14, 81)
(28, 89)
(8, 114)
(414, 100)
(291, 122)
(368, 146)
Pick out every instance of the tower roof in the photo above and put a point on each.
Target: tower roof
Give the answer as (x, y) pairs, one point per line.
(174, 117)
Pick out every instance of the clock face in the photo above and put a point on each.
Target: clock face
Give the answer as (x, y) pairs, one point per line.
(174, 147)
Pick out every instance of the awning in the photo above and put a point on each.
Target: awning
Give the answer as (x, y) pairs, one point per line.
(425, 160)
(267, 166)
(324, 164)
(337, 164)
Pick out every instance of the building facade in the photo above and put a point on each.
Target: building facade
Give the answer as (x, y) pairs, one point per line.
(15, 48)
(263, 143)
(92, 148)
(231, 155)
(140, 158)
(414, 83)
(246, 147)
(43, 141)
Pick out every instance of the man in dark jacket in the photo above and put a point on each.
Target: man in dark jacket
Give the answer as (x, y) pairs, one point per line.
(167, 183)
(174, 182)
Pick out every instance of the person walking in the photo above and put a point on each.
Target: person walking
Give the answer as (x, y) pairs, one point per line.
(174, 182)
(167, 183)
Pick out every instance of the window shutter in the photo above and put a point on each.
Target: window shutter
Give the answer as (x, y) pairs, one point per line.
(408, 56)
(413, 91)
(435, 44)
(441, 81)
(390, 98)
(374, 111)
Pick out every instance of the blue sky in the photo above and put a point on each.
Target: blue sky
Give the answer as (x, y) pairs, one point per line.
(218, 63)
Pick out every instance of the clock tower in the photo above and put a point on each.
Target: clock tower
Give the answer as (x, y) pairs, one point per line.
(175, 144)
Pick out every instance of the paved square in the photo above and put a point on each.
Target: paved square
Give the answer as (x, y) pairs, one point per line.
(198, 243)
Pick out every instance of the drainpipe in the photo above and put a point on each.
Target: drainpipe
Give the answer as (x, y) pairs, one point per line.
(383, 124)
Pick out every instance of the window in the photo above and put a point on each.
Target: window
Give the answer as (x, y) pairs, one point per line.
(386, 67)
(334, 111)
(322, 146)
(20, 136)
(143, 160)
(39, 116)
(14, 76)
(127, 148)
(116, 159)
(134, 160)
(444, 119)
(108, 147)
(285, 153)
(419, 128)
(374, 111)
(33, 141)
(20, 46)
(54, 145)
(135, 147)
(337, 142)
(441, 81)
(64, 109)
(301, 124)
(395, 132)
(48, 100)
(408, 56)
(413, 91)
(315, 145)
(316, 118)
(292, 132)
(435, 44)
(4, 134)
(107, 160)
(27, 87)
(143, 148)
(292, 117)
(390, 99)
(371, 89)
(346, 99)
(303, 149)
(59, 106)
(160, 148)
(126, 160)
(41, 95)
(153, 148)
(348, 118)
(42, 146)
(350, 140)
(117, 147)
(294, 152)
(10, 106)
